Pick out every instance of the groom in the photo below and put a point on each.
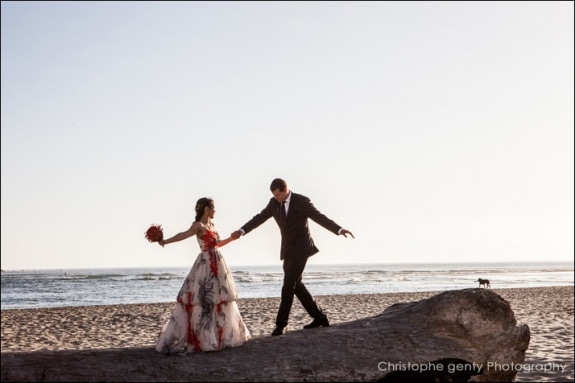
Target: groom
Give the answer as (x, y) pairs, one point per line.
(291, 212)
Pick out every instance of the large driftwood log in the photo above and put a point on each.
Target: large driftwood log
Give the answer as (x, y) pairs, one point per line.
(451, 336)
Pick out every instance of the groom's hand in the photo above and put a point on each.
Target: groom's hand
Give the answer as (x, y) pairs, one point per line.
(345, 232)
(236, 234)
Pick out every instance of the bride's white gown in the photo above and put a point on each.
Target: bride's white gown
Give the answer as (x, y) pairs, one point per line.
(206, 317)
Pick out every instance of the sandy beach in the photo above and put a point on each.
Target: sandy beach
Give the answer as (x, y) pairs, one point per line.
(547, 310)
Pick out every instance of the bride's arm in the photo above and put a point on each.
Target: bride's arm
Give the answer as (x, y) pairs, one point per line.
(224, 242)
(193, 230)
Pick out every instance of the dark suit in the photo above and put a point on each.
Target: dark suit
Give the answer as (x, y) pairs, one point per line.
(297, 245)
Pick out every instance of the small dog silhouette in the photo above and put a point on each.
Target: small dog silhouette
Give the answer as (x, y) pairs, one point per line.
(484, 283)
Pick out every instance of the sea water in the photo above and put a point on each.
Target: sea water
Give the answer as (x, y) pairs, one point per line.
(83, 287)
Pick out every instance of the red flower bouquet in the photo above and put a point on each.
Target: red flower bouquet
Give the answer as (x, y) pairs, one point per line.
(155, 233)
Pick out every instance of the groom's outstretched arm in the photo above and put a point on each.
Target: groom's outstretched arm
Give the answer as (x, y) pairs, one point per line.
(256, 221)
(321, 219)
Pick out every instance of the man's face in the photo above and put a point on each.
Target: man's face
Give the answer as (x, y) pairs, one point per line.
(280, 195)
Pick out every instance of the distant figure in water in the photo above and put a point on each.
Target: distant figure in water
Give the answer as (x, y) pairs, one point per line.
(484, 283)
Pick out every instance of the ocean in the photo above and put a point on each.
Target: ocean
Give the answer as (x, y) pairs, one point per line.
(25, 289)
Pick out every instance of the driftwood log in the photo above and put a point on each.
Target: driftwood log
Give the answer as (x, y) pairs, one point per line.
(453, 336)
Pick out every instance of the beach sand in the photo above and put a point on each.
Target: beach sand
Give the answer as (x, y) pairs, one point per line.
(548, 311)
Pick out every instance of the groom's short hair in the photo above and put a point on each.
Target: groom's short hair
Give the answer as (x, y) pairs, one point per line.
(278, 183)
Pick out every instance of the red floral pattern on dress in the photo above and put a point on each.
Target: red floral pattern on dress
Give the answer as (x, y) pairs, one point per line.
(207, 317)
(214, 263)
(210, 239)
(192, 337)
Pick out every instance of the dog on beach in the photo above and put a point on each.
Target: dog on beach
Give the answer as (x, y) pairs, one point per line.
(484, 283)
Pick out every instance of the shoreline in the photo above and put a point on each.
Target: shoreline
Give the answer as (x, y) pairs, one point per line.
(548, 311)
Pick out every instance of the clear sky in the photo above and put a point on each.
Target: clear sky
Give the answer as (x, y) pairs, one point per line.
(434, 131)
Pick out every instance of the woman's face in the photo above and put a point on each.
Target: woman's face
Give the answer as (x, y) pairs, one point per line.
(211, 210)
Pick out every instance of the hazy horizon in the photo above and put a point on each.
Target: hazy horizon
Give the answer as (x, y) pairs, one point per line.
(313, 264)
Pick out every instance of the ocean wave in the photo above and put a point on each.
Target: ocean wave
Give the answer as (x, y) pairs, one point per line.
(54, 288)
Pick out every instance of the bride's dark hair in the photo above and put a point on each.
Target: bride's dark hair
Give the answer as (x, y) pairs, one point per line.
(201, 206)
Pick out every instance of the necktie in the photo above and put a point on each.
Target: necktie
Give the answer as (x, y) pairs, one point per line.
(283, 211)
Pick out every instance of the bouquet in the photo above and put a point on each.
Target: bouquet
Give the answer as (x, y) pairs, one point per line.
(154, 233)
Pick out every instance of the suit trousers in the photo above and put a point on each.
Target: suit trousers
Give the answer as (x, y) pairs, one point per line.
(292, 285)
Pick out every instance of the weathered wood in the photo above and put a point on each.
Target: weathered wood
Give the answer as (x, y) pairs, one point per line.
(469, 330)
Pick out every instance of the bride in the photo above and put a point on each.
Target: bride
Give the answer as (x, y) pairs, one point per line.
(206, 317)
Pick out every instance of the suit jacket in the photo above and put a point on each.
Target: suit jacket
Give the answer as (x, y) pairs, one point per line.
(295, 234)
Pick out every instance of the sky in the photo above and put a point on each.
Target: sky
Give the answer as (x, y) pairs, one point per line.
(433, 131)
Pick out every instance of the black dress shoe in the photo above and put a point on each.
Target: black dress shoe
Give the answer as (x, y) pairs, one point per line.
(279, 331)
(318, 322)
